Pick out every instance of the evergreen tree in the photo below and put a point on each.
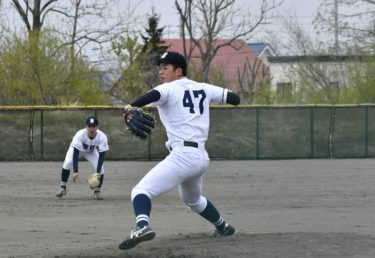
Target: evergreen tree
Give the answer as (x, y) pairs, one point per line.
(152, 43)
(139, 74)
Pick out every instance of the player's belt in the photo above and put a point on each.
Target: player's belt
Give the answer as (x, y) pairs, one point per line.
(191, 144)
(188, 144)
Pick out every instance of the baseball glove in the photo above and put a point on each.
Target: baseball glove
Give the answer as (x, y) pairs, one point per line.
(138, 122)
(94, 180)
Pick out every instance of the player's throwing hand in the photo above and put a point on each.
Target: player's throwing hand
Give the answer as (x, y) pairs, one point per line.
(75, 177)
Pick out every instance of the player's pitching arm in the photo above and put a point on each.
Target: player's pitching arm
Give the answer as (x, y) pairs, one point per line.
(154, 95)
(145, 99)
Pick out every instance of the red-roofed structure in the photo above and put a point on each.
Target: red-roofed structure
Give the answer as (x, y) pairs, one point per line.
(233, 59)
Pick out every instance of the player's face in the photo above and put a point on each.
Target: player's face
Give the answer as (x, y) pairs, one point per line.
(167, 73)
(91, 130)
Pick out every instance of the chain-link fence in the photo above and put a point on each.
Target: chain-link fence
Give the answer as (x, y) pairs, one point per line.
(244, 132)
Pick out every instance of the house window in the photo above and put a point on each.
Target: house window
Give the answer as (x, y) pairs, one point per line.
(284, 89)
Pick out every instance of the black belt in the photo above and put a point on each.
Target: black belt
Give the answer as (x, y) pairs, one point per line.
(188, 144)
(191, 144)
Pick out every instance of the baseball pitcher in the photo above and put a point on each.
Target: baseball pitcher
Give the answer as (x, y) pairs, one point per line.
(183, 107)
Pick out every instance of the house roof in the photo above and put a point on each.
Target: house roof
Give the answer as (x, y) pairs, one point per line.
(232, 57)
(315, 58)
(257, 47)
(260, 48)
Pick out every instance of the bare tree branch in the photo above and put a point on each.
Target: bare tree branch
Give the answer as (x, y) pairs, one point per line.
(207, 21)
(355, 26)
(22, 13)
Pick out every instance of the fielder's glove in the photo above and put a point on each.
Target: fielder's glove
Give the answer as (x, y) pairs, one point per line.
(138, 122)
(94, 180)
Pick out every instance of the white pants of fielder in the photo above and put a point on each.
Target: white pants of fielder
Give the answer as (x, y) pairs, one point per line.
(92, 157)
(183, 167)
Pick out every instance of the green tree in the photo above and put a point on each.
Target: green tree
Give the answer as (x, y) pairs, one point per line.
(131, 82)
(362, 81)
(139, 74)
(253, 82)
(40, 76)
(152, 47)
(152, 43)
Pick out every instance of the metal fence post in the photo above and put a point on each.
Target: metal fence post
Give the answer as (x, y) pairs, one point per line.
(257, 132)
(366, 131)
(331, 135)
(312, 132)
(31, 135)
(41, 134)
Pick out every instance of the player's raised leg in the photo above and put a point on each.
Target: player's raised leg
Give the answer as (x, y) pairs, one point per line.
(152, 184)
(143, 231)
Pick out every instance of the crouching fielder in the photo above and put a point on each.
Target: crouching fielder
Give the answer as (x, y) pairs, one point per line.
(91, 144)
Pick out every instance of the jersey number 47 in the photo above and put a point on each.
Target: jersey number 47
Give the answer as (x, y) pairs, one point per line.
(188, 102)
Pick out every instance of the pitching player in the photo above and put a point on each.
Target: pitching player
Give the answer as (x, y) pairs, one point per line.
(183, 107)
(91, 144)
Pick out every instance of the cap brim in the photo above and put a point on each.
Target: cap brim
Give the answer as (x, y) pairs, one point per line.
(155, 61)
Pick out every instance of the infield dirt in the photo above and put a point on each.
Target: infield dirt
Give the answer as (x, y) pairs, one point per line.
(281, 208)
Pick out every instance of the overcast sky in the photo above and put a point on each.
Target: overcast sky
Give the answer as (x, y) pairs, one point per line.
(302, 10)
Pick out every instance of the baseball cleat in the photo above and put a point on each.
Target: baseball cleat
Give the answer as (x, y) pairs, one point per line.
(60, 193)
(228, 231)
(136, 236)
(97, 196)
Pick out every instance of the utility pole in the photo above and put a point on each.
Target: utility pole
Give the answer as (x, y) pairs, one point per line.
(336, 27)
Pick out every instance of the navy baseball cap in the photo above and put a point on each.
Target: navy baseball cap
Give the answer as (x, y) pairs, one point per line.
(171, 58)
(92, 121)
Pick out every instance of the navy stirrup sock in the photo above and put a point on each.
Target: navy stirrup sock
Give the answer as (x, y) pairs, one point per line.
(211, 214)
(142, 209)
(64, 177)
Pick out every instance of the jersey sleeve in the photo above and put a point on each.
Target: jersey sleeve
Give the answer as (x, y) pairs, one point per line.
(164, 90)
(147, 98)
(77, 141)
(218, 94)
(103, 144)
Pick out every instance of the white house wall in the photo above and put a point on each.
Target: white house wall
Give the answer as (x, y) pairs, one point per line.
(288, 72)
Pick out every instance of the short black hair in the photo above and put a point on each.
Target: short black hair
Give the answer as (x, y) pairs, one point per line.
(184, 72)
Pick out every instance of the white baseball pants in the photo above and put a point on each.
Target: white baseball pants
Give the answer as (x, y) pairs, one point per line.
(91, 157)
(183, 167)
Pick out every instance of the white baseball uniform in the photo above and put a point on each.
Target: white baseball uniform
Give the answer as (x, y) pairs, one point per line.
(184, 111)
(88, 148)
